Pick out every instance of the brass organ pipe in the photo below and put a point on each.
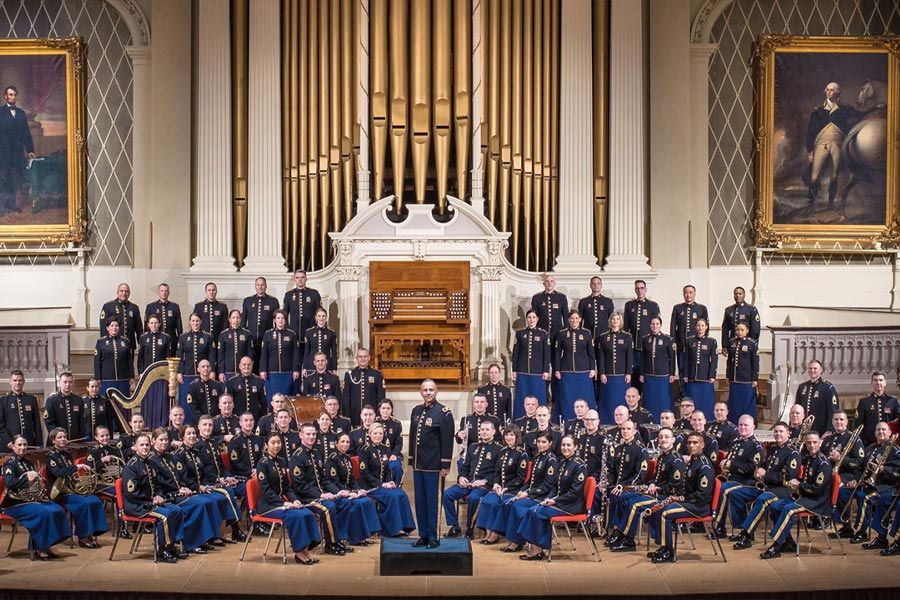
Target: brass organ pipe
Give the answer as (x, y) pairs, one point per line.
(287, 134)
(420, 93)
(528, 131)
(537, 129)
(378, 93)
(547, 83)
(399, 56)
(300, 105)
(334, 112)
(312, 166)
(516, 198)
(324, 128)
(240, 19)
(442, 96)
(462, 58)
(348, 97)
(554, 129)
(600, 17)
(505, 115)
(492, 76)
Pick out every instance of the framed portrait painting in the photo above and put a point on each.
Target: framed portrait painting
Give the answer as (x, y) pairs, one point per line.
(827, 112)
(42, 141)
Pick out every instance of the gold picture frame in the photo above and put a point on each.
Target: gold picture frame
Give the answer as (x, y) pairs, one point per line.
(827, 161)
(47, 203)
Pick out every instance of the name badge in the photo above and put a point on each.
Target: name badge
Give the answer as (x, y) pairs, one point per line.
(704, 347)
(217, 312)
(306, 299)
(76, 408)
(266, 307)
(428, 422)
(659, 342)
(694, 315)
(371, 379)
(644, 311)
(620, 342)
(27, 408)
(253, 389)
(242, 337)
(171, 314)
(537, 338)
(556, 306)
(580, 336)
(742, 317)
(327, 386)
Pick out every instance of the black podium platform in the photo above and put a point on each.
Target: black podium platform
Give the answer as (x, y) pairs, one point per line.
(399, 557)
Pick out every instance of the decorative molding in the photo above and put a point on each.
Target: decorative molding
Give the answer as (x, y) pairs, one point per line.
(489, 273)
(135, 19)
(349, 273)
(705, 19)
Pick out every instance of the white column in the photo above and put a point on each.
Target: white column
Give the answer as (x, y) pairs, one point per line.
(140, 109)
(626, 139)
(576, 178)
(362, 106)
(490, 277)
(264, 209)
(476, 176)
(348, 312)
(213, 179)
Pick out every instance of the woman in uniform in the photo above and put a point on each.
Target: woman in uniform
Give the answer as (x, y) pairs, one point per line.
(279, 359)
(363, 521)
(615, 360)
(512, 467)
(577, 367)
(699, 374)
(393, 437)
(376, 479)
(325, 436)
(657, 369)
(45, 521)
(742, 372)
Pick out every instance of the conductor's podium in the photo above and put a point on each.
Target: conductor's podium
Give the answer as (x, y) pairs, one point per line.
(399, 557)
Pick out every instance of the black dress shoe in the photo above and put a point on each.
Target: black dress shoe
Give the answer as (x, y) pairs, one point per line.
(789, 545)
(516, 548)
(893, 549)
(179, 553)
(612, 539)
(88, 544)
(721, 531)
(453, 532)
(42, 556)
(237, 535)
(419, 543)
(166, 557)
(845, 532)
(487, 542)
(308, 562)
(626, 544)
(260, 529)
(125, 534)
(433, 544)
(198, 550)
(859, 538)
(334, 550)
(470, 533)
(744, 541)
(879, 543)
(345, 547)
(663, 555)
(539, 556)
(217, 542)
(773, 551)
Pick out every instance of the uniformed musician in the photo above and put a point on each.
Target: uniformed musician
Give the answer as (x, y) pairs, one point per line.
(430, 453)
(126, 313)
(876, 407)
(615, 362)
(319, 338)
(476, 478)
(214, 470)
(113, 363)
(202, 394)
(393, 437)
(738, 472)
(700, 359)
(873, 495)
(639, 415)
(552, 307)
(723, 430)
(177, 418)
(248, 390)
(657, 368)
(531, 363)
(511, 470)
(359, 436)
(362, 521)
(193, 346)
(320, 382)
(470, 426)
(849, 468)
(683, 325)
(225, 425)
(742, 372)
(739, 312)
(153, 346)
(818, 397)
(685, 409)
(300, 304)
(257, 315)
(136, 423)
(338, 423)
(106, 456)
(169, 315)
(638, 313)
(576, 367)
(544, 427)
(279, 363)
(267, 423)
(591, 443)
(375, 477)
(796, 415)
(575, 426)
(596, 309)
(65, 409)
(627, 466)
(710, 446)
(528, 422)
(362, 385)
(234, 343)
(499, 396)
(213, 314)
(98, 410)
(246, 449)
(290, 439)
(325, 435)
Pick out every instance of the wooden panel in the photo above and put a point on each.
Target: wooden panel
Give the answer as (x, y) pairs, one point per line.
(391, 275)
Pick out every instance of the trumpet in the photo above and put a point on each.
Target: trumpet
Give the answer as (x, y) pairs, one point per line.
(726, 464)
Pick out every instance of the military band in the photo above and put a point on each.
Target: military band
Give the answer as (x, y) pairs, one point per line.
(213, 314)
(113, 360)
(638, 313)
(19, 413)
(742, 372)
(683, 324)
(499, 396)
(257, 316)
(65, 409)
(576, 367)
(169, 315)
(699, 362)
(247, 390)
(279, 363)
(818, 398)
(127, 313)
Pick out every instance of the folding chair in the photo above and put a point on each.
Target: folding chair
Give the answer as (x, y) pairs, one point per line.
(252, 501)
(580, 520)
(123, 521)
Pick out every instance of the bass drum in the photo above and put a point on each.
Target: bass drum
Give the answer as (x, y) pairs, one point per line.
(307, 408)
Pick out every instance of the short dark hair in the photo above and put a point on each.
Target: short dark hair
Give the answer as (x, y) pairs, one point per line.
(513, 429)
(15, 372)
(10, 87)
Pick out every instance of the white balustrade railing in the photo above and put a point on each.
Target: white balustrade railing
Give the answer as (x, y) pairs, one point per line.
(40, 353)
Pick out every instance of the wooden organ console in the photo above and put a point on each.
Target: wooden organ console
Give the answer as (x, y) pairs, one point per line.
(419, 320)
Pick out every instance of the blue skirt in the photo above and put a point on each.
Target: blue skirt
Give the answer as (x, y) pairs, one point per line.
(155, 407)
(394, 511)
(704, 396)
(612, 394)
(46, 522)
(301, 526)
(575, 386)
(657, 394)
(189, 416)
(363, 520)
(488, 509)
(741, 400)
(282, 383)
(535, 526)
(87, 512)
(514, 513)
(201, 521)
(528, 385)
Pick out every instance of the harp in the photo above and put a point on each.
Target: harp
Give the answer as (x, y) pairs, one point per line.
(162, 370)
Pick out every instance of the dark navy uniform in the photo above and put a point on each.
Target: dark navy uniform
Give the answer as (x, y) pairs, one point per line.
(710, 448)
(471, 424)
(213, 317)
(139, 482)
(113, 359)
(782, 465)
(657, 355)
(153, 347)
(97, 410)
(244, 452)
(725, 432)
(290, 443)
(169, 315)
(258, 316)
(193, 347)
(815, 496)
(66, 412)
(319, 339)
(740, 313)
(626, 508)
(575, 350)
(746, 455)
(595, 312)
(820, 400)
(234, 344)
(129, 317)
(529, 440)
(393, 434)
(574, 427)
(326, 443)
(699, 480)
(499, 398)
(203, 396)
(321, 384)
(873, 409)
(683, 321)
(743, 361)
(590, 448)
(341, 425)
(552, 311)
(531, 352)
(430, 451)
(279, 352)
(361, 387)
(615, 353)
(307, 470)
(267, 424)
(19, 414)
(480, 463)
(301, 306)
(872, 500)
(701, 359)
(223, 426)
(249, 394)
(526, 424)
(638, 314)
(359, 437)
(853, 462)
(628, 464)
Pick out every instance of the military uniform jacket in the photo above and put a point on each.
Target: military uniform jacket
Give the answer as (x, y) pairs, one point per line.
(512, 467)
(126, 443)
(193, 347)
(244, 452)
(575, 351)
(274, 486)
(526, 424)
(393, 434)
(615, 353)
(431, 437)
(113, 359)
(815, 487)
(290, 443)
(782, 464)
(638, 314)
(820, 400)
(725, 433)
(359, 438)
(530, 441)
(19, 414)
(319, 339)
(213, 317)
(544, 473)
(699, 480)
(192, 473)
(658, 355)
(339, 474)
(628, 465)
(326, 444)
(890, 472)
(169, 315)
(169, 471)
(267, 424)
(321, 384)
(280, 353)
(341, 424)
(301, 306)
(481, 463)
(569, 493)
(472, 423)
(740, 313)
(153, 347)
(701, 358)
(59, 466)
(498, 397)
(249, 394)
(710, 448)
(14, 478)
(595, 312)
(96, 455)
(361, 387)
(531, 352)
(590, 449)
(743, 361)
(307, 474)
(873, 409)
(257, 315)
(234, 344)
(373, 466)
(683, 321)
(575, 428)
(203, 396)
(669, 476)
(552, 310)
(66, 412)
(853, 462)
(746, 455)
(223, 426)
(129, 317)
(139, 483)
(211, 462)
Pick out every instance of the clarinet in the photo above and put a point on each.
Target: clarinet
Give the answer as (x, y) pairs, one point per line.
(603, 485)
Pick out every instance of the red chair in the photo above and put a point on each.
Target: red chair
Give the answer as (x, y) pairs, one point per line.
(707, 524)
(123, 521)
(720, 456)
(651, 471)
(581, 520)
(226, 460)
(5, 519)
(355, 461)
(252, 501)
(802, 516)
